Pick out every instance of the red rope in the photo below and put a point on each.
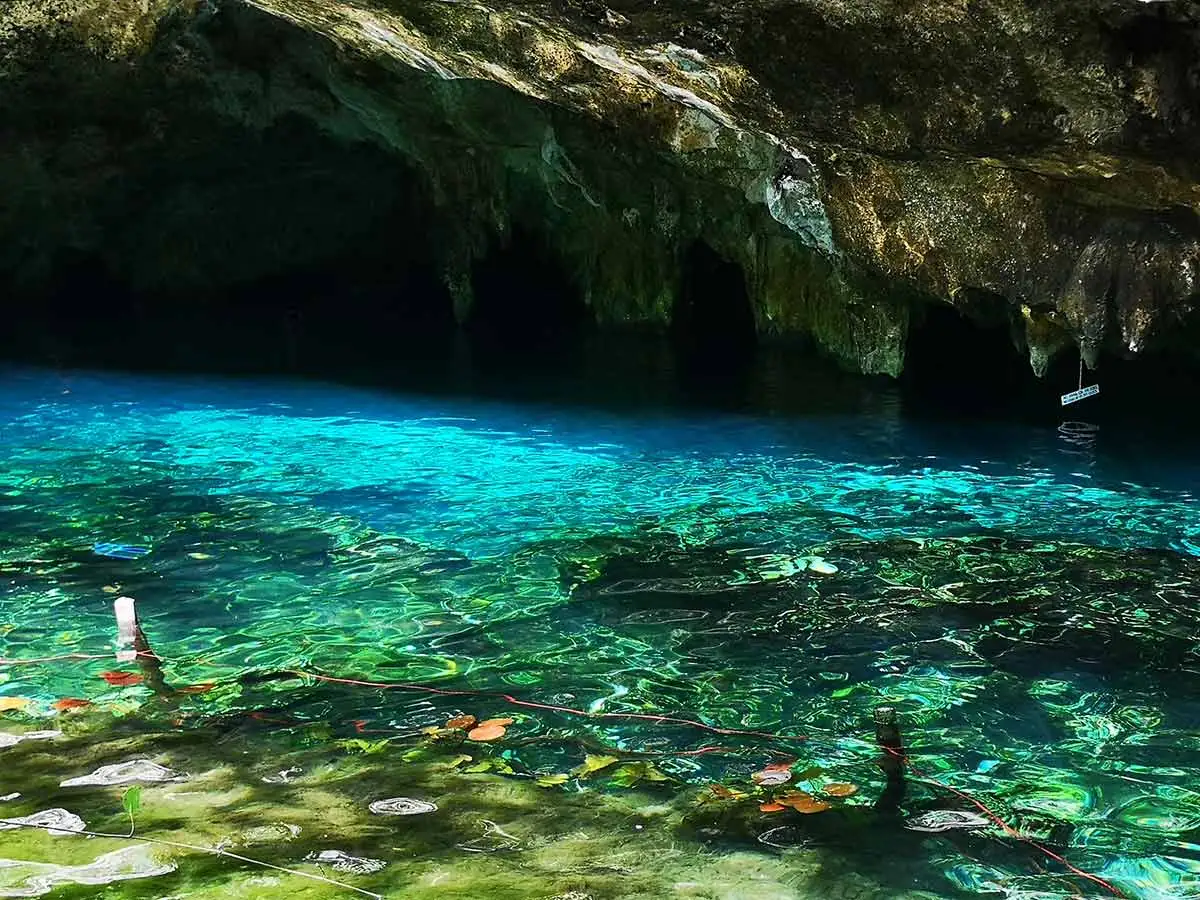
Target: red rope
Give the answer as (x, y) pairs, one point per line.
(549, 707)
(1006, 828)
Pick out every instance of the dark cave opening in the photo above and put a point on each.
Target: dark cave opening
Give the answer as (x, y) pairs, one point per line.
(361, 310)
(84, 303)
(282, 250)
(964, 369)
(969, 367)
(526, 310)
(713, 323)
(288, 252)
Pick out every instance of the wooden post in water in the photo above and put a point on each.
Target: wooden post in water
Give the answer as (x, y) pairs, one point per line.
(892, 762)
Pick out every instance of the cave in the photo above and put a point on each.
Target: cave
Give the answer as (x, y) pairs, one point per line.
(713, 322)
(230, 249)
(245, 190)
(603, 433)
(969, 367)
(525, 309)
(84, 304)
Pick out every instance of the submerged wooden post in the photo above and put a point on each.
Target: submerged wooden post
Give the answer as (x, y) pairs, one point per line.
(892, 762)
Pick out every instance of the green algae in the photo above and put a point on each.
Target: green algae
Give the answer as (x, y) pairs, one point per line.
(602, 844)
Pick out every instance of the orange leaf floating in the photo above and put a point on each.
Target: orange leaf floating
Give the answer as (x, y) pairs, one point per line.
(8, 704)
(67, 703)
(771, 807)
(839, 789)
(793, 798)
(462, 722)
(203, 688)
(486, 723)
(122, 679)
(486, 732)
(810, 806)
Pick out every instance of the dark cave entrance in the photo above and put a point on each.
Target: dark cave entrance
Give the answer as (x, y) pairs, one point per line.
(236, 251)
(968, 366)
(526, 310)
(85, 303)
(360, 312)
(960, 368)
(713, 322)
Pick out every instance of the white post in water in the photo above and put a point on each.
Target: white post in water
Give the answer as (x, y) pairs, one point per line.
(126, 615)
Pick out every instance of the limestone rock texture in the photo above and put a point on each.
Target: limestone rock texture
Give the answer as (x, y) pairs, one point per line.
(1031, 162)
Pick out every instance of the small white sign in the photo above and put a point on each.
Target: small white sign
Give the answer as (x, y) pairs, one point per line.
(1082, 394)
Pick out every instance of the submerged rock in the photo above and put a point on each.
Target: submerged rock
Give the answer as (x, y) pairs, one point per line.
(135, 771)
(21, 878)
(402, 806)
(58, 822)
(785, 837)
(284, 776)
(341, 861)
(822, 567)
(939, 820)
(268, 834)
(7, 739)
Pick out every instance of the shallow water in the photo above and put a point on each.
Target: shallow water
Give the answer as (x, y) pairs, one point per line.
(1025, 597)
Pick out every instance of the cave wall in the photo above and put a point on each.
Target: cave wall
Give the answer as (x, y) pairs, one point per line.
(855, 162)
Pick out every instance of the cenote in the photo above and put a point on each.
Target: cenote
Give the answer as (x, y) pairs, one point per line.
(583, 451)
(332, 579)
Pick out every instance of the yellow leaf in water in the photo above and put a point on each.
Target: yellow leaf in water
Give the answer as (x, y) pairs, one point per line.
(840, 789)
(200, 555)
(11, 703)
(458, 761)
(594, 764)
(725, 793)
(551, 780)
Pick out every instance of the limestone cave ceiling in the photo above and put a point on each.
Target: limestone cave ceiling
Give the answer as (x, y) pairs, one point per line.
(857, 159)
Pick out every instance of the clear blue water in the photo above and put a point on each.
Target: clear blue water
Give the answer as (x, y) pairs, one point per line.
(1026, 597)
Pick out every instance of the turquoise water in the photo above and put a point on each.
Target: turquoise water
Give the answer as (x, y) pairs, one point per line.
(1026, 601)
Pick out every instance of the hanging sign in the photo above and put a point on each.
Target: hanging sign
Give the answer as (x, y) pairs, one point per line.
(1082, 394)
